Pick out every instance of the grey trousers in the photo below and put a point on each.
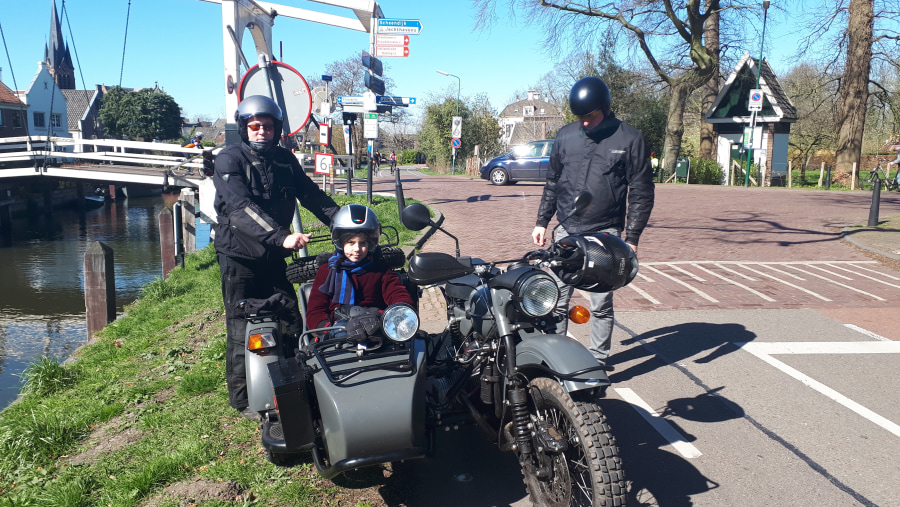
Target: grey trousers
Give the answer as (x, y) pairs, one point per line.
(602, 314)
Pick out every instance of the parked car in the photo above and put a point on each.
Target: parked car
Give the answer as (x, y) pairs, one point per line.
(526, 162)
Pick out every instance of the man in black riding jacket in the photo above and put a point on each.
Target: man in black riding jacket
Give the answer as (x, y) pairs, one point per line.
(608, 158)
(257, 185)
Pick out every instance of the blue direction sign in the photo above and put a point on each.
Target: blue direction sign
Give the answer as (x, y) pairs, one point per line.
(398, 26)
(395, 101)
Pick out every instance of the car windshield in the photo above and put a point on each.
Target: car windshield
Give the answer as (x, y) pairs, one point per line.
(529, 150)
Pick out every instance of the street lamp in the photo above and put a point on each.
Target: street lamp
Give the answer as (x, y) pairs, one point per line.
(762, 42)
(458, 87)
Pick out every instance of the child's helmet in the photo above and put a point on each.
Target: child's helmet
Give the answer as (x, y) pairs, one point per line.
(355, 219)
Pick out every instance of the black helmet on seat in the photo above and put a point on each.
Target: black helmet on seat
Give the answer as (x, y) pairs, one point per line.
(595, 262)
(588, 95)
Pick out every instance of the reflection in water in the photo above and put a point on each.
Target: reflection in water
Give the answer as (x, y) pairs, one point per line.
(42, 280)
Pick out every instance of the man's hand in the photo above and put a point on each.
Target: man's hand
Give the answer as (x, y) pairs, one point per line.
(538, 235)
(633, 248)
(296, 241)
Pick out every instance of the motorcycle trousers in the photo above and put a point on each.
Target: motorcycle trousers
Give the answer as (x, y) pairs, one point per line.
(246, 279)
(601, 307)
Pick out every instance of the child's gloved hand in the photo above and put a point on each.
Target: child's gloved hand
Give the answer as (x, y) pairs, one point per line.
(363, 326)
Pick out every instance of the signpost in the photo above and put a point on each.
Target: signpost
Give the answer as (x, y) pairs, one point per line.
(324, 162)
(395, 101)
(456, 127)
(455, 143)
(398, 26)
(392, 40)
(370, 126)
(756, 100)
(392, 51)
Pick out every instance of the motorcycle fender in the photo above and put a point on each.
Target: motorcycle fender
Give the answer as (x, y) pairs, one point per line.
(260, 394)
(562, 354)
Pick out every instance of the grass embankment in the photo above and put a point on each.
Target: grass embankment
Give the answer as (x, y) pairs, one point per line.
(141, 415)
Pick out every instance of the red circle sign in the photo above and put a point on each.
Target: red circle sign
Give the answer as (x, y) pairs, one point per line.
(456, 143)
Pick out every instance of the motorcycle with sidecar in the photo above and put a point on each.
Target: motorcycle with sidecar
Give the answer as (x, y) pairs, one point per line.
(497, 365)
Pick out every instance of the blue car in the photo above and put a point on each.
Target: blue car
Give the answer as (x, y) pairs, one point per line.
(526, 162)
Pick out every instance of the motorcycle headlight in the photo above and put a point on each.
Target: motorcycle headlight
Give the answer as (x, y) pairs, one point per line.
(400, 322)
(537, 294)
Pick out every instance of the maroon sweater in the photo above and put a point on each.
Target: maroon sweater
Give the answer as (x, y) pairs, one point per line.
(377, 288)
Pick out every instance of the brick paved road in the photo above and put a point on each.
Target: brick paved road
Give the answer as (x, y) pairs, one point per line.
(705, 246)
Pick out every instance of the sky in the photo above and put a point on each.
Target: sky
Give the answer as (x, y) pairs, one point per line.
(177, 44)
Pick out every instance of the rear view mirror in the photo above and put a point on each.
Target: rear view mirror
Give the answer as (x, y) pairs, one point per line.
(415, 217)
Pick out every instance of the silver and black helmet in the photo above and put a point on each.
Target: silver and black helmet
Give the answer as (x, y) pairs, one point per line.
(256, 106)
(355, 219)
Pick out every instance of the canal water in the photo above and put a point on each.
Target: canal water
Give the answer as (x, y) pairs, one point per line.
(42, 310)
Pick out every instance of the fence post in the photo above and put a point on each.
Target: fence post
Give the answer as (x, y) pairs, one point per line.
(821, 175)
(853, 178)
(99, 287)
(167, 241)
(189, 219)
(790, 173)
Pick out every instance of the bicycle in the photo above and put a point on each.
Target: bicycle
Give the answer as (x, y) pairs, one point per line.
(878, 174)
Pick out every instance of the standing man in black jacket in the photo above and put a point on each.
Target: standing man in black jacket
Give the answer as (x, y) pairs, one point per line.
(608, 158)
(258, 184)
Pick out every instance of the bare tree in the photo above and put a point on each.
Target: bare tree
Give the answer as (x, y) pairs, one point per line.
(814, 93)
(669, 36)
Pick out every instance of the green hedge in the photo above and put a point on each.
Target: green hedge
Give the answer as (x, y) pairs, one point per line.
(705, 172)
(411, 157)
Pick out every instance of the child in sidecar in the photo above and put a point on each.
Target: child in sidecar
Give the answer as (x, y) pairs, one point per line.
(355, 274)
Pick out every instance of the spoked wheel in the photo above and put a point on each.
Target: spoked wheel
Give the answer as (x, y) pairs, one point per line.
(587, 470)
(499, 177)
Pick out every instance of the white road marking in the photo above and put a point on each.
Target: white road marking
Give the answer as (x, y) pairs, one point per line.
(869, 277)
(647, 278)
(686, 272)
(866, 347)
(875, 271)
(773, 268)
(832, 273)
(696, 290)
(738, 273)
(748, 289)
(643, 294)
(759, 350)
(662, 426)
(789, 284)
(868, 333)
(873, 296)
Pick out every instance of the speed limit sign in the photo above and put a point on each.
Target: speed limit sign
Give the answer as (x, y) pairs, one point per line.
(324, 162)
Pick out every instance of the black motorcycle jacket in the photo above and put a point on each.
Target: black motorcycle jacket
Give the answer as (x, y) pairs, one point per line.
(256, 195)
(611, 162)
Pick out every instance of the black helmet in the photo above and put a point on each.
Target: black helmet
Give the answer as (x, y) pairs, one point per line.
(355, 219)
(588, 95)
(595, 262)
(258, 105)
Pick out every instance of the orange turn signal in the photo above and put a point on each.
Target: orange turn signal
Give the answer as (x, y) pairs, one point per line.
(579, 314)
(260, 341)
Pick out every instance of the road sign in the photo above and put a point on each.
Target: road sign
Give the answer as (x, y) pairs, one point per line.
(456, 143)
(752, 138)
(456, 127)
(372, 63)
(374, 83)
(756, 100)
(392, 51)
(291, 91)
(350, 100)
(398, 26)
(392, 40)
(395, 101)
(324, 134)
(370, 126)
(323, 163)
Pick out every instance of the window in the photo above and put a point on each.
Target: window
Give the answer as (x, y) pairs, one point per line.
(529, 110)
(1, 116)
(56, 120)
(17, 119)
(39, 119)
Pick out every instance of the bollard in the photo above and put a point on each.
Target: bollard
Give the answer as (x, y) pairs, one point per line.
(176, 227)
(189, 213)
(99, 287)
(828, 178)
(166, 241)
(350, 176)
(398, 189)
(876, 201)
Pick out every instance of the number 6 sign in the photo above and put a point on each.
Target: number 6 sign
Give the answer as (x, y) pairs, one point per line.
(324, 162)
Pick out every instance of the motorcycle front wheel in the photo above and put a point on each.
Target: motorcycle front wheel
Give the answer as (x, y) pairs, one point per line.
(588, 472)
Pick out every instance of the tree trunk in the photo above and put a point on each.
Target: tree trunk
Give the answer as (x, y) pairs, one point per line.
(675, 122)
(854, 89)
(710, 88)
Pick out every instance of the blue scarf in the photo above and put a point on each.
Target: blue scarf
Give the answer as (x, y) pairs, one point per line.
(339, 284)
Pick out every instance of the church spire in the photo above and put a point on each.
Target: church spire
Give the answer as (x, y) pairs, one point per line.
(56, 55)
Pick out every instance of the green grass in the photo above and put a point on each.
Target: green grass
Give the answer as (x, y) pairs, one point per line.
(145, 405)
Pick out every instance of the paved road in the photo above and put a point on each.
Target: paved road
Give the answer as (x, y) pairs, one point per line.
(756, 355)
